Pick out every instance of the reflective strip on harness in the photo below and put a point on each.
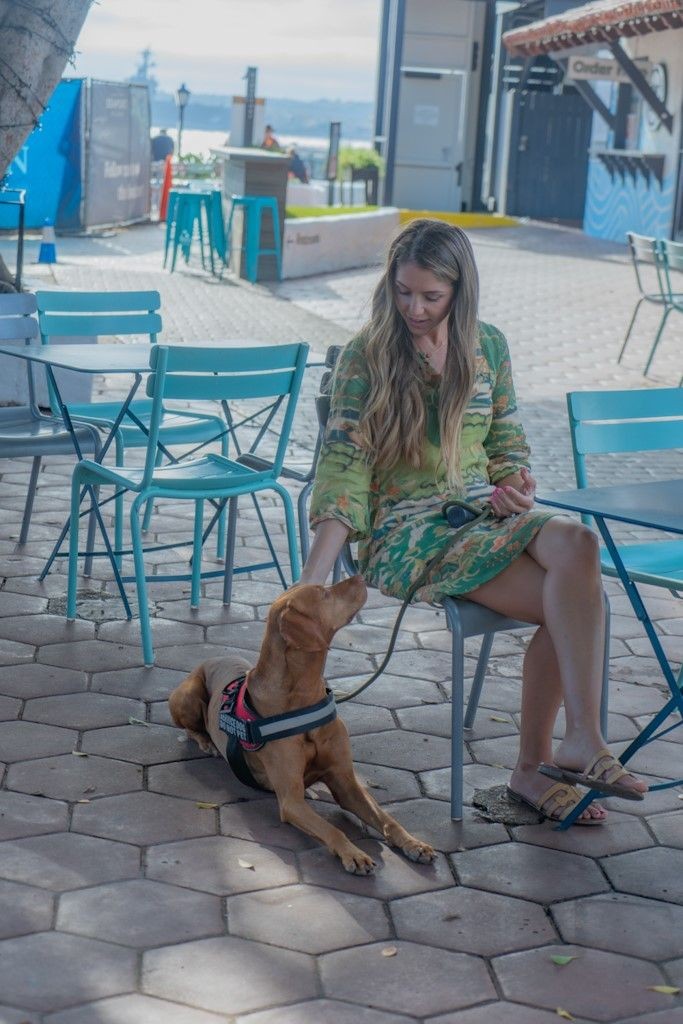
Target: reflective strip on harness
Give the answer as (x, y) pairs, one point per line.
(237, 717)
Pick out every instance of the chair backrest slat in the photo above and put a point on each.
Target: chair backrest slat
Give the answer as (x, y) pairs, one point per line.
(21, 304)
(18, 328)
(98, 302)
(223, 386)
(645, 250)
(215, 359)
(603, 422)
(59, 325)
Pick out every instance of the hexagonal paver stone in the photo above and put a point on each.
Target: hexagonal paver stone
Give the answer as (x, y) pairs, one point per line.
(620, 834)
(144, 683)
(67, 861)
(673, 1015)
(412, 750)
(391, 691)
(30, 815)
(203, 778)
(11, 1015)
(9, 708)
(497, 1013)
(654, 873)
(259, 820)
(22, 740)
(668, 828)
(140, 913)
(90, 655)
(46, 629)
(165, 632)
(133, 1009)
(150, 744)
(580, 987)
(210, 974)
(143, 818)
(418, 980)
(364, 718)
(74, 778)
(12, 653)
(430, 820)
(103, 970)
(530, 872)
(307, 918)
(25, 910)
(221, 866)
(437, 784)
(471, 921)
(82, 710)
(394, 874)
(324, 1011)
(40, 680)
(649, 929)
(21, 604)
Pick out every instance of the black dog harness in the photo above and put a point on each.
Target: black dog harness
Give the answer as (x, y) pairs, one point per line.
(246, 730)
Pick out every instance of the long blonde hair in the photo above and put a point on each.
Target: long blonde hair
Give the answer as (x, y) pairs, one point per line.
(393, 422)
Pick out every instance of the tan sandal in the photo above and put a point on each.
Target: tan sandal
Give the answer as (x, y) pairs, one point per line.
(601, 774)
(557, 803)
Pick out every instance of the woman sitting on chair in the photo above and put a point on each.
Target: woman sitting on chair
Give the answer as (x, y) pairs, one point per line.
(423, 409)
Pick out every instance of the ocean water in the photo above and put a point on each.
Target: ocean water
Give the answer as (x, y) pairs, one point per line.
(196, 140)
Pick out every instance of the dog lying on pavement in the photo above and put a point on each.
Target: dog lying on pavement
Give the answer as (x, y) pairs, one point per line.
(287, 685)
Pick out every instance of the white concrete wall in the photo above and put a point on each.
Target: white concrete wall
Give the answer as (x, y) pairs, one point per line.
(319, 245)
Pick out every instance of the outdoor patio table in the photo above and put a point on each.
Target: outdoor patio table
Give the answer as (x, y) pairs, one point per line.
(656, 505)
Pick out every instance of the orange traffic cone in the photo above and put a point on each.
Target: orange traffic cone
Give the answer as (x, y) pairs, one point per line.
(166, 187)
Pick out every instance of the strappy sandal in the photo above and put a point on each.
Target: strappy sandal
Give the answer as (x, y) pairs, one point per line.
(601, 774)
(558, 801)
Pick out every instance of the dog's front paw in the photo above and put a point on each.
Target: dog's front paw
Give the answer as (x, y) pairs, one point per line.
(356, 862)
(421, 853)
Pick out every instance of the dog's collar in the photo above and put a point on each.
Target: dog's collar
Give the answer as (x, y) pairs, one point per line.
(238, 718)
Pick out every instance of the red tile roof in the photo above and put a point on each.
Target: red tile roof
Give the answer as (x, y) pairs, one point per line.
(601, 21)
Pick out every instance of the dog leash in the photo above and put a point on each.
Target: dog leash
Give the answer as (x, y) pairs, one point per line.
(453, 511)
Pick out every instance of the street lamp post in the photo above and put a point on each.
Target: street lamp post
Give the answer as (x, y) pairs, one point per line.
(182, 97)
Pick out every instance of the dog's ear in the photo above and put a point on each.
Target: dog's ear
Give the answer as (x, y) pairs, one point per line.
(302, 631)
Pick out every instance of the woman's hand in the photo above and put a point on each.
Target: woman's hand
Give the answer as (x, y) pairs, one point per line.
(513, 495)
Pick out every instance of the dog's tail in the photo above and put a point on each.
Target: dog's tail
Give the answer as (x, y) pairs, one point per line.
(188, 705)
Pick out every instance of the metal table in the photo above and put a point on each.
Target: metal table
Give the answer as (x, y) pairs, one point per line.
(658, 506)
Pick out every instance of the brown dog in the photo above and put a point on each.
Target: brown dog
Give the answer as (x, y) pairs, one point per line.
(288, 676)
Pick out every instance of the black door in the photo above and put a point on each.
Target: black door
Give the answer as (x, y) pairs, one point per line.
(548, 167)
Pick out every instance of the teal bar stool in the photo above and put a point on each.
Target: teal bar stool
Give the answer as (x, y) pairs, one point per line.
(190, 213)
(254, 207)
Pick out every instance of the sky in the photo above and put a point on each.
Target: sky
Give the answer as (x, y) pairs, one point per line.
(304, 49)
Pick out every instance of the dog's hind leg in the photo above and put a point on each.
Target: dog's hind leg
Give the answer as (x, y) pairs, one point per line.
(351, 796)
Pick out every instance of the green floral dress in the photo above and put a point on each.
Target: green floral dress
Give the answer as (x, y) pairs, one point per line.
(395, 514)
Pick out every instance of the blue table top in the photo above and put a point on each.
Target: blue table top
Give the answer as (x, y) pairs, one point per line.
(657, 504)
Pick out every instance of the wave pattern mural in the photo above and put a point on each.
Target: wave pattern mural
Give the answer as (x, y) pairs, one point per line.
(615, 206)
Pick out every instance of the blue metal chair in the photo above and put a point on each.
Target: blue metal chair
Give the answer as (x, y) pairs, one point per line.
(643, 420)
(254, 208)
(24, 430)
(653, 260)
(464, 619)
(126, 314)
(671, 259)
(200, 374)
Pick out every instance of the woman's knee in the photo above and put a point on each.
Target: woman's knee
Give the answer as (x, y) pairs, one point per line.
(580, 549)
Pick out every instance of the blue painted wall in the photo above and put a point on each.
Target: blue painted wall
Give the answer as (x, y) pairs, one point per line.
(48, 165)
(615, 205)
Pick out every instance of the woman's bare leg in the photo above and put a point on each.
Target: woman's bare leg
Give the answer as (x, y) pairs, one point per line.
(518, 592)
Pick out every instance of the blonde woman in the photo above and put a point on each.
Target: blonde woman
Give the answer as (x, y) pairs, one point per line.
(423, 408)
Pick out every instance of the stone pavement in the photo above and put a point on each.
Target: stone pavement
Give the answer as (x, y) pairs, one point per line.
(141, 884)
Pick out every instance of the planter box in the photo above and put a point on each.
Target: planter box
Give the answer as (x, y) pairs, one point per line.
(75, 387)
(320, 245)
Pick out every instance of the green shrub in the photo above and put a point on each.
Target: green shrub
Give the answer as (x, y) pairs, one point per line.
(293, 212)
(354, 156)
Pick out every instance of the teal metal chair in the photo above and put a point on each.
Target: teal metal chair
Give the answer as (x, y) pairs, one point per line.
(192, 374)
(126, 314)
(671, 260)
(643, 420)
(24, 429)
(253, 208)
(654, 261)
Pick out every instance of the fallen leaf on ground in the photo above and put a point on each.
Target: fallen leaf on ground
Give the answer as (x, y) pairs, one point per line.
(665, 990)
(389, 951)
(79, 753)
(137, 721)
(245, 864)
(564, 1014)
(82, 801)
(451, 917)
(498, 718)
(90, 789)
(561, 961)
(204, 805)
